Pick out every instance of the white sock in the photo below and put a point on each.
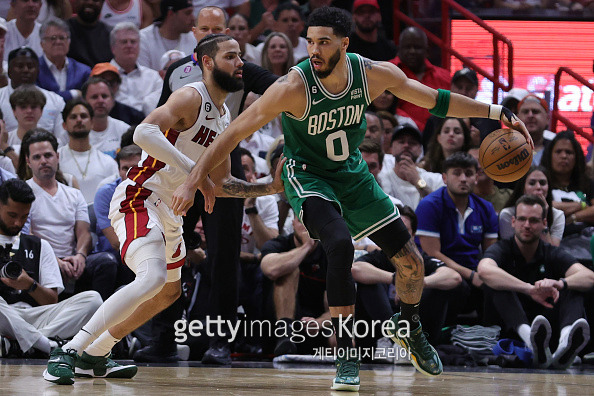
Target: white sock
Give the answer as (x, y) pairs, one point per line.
(151, 275)
(524, 333)
(102, 345)
(43, 344)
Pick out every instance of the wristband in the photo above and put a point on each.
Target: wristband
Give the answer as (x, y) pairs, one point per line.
(564, 283)
(252, 210)
(33, 287)
(442, 104)
(472, 276)
(495, 112)
(8, 150)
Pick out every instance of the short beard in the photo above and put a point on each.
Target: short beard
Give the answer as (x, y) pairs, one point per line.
(89, 17)
(225, 81)
(8, 231)
(367, 29)
(332, 62)
(79, 134)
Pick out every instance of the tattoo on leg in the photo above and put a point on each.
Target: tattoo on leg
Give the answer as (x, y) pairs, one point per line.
(410, 272)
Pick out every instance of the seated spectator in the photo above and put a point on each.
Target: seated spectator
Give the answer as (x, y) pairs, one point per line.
(375, 127)
(486, 188)
(23, 30)
(59, 215)
(126, 158)
(57, 72)
(3, 63)
(513, 98)
(106, 132)
(452, 136)
(412, 59)
(375, 276)
(23, 68)
(89, 42)
(89, 165)
(277, 54)
(389, 122)
(137, 81)
(240, 31)
(49, 8)
(455, 225)
(137, 12)
(27, 104)
(464, 82)
(30, 313)
(529, 281)
(289, 21)
(119, 111)
(573, 192)
(535, 182)
(296, 264)
(405, 180)
(150, 101)
(534, 113)
(173, 32)
(367, 40)
(6, 163)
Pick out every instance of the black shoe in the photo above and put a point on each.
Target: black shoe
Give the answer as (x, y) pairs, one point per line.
(218, 353)
(9, 348)
(151, 354)
(284, 346)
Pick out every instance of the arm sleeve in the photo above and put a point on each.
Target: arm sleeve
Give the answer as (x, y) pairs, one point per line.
(256, 78)
(150, 138)
(505, 228)
(49, 271)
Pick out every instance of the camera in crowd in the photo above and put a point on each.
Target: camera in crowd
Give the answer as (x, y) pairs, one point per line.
(9, 268)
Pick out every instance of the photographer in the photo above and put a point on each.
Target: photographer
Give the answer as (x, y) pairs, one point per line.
(29, 308)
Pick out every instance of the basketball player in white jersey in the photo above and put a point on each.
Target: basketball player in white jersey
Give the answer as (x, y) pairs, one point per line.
(172, 138)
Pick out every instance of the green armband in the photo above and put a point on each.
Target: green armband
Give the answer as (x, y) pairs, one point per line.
(443, 104)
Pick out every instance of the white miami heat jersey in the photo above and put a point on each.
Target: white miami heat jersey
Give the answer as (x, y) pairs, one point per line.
(161, 178)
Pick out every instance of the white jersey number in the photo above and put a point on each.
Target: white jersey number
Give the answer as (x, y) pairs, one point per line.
(341, 135)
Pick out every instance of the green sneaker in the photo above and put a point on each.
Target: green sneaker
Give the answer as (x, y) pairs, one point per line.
(347, 374)
(423, 356)
(60, 367)
(102, 367)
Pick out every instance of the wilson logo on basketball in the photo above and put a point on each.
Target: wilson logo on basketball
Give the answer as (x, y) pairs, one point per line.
(524, 154)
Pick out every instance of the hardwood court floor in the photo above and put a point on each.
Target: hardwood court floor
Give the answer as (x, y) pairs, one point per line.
(266, 379)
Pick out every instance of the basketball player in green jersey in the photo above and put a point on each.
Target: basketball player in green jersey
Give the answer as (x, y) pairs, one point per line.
(323, 101)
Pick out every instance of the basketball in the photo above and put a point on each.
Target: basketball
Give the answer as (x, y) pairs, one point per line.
(505, 156)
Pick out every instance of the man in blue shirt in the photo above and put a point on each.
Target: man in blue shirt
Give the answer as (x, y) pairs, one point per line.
(455, 225)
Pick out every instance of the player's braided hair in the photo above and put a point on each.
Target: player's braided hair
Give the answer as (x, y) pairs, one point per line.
(209, 45)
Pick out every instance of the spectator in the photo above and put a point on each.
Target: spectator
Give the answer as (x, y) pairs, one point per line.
(108, 241)
(240, 31)
(83, 160)
(119, 111)
(3, 63)
(375, 276)
(406, 181)
(452, 136)
(137, 12)
(30, 312)
(513, 98)
(23, 68)
(107, 132)
(367, 40)
(412, 59)
(57, 72)
(59, 215)
(23, 30)
(61, 9)
(534, 112)
(524, 277)
(6, 164)
(464, 82)
(259, 142)
(150, 101)
(455, 224)
(289, 20)
(310, 5)
(89, 42)
(137, 81)
(375, 128)
(297, 265)
(172, 33)
(573, 192)
(277, 54)
(487, 190)
(389, 123)
(535, 182)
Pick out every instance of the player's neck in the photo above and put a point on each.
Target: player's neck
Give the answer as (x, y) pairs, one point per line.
(215, 92)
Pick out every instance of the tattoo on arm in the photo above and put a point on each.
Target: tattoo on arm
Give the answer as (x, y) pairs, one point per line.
(410, 272)
(241, 189)
(369, 63)
(282, 79)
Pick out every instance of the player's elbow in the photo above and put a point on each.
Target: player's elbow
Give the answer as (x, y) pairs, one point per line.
(358, 272)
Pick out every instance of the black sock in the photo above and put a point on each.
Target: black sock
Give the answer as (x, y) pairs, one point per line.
(410, 313)
(285, 326)
(343, 329)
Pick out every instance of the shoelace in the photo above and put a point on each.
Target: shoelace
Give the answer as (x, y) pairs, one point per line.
(348, 369)
(421, 345)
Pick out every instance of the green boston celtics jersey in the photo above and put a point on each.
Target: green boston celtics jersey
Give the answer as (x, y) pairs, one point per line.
(328, 134)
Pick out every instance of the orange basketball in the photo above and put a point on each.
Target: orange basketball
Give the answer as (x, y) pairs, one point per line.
(505, 156)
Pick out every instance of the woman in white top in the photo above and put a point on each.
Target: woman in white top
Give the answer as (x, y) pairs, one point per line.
(240, 31)
(536, 182)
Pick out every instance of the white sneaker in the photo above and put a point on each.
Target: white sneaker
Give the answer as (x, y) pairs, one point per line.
(540, 335)
(384, 351)
(573, 339)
